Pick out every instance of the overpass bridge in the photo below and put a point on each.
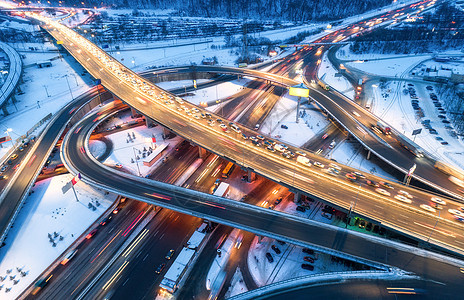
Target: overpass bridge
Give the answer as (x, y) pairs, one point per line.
(150, 100)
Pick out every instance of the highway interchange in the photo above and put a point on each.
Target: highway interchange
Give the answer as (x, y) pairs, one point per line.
(310, 180)
(234, 148)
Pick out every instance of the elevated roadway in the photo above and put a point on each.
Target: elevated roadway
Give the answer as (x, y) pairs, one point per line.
(148, 99)
(15, 72)
(256, 219)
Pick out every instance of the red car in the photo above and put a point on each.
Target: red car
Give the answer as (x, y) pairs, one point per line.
(350, 177)
(309, 259)
(91, 234)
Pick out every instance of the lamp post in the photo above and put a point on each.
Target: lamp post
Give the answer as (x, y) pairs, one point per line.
(137, 162)
(69, 87)
(11, 140)
(299, 90)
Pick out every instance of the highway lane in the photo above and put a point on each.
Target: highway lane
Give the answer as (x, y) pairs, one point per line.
(69, 280)
(363, 289)
(200, 134)
(24, 177)
(262, 221)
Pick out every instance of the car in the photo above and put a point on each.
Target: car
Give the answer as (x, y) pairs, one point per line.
(429, 87)
(372, 183)
(433, 131)
(308, 251)
(402, 199)
(276, 249)
(362, 224)
(116, 210)
(308, 259)
(284, 126)
(219, 121)
(332, 165)
(208, 115)
(256, 126)
(318, 164)
(269, 257)
(272, 206)
(456, 212)
(386, 185)
(118, 165)
(300, 153)
(325, 136)
(203, 116)
(439, 138)
(350, 177)
(91, 234)
(307, 267)
(369, 226)
(359, 175)
(160, 268)
(300, 208)
(3, 169)
(106, 220)
(438, 200)
(14, 156)
(382, 192)
(404, 193)
(270, 148)
(210, 122)
(445, 121)
(223, 127)
(444, 143)
(2, 177)
(333, 172)
(244, 136)
(170, 254)
(271, 142)
(427, 208)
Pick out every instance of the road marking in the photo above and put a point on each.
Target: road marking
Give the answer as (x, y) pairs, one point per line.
(406, 217)
(145, 257)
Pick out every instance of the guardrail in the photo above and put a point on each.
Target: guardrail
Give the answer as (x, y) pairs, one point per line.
(14, 73)
(318, 279)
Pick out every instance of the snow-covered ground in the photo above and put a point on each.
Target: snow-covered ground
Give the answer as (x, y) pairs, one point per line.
(237, 285)
(125, 152)
(284, 113)
(219, 91)
(327, 73)
(396, 109)
(34, 104)
(47, 211)
(394, 67)
(287, 264)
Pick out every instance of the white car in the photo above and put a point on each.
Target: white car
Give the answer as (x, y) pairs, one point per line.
(438, 200)
(404, 193)
(402, 199)
(382, 191)
(427, 208)
(318, 164)
(456, 212)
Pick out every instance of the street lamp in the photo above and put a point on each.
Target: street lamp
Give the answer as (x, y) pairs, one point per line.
(136, 161)
(299, 90)
(11, 140)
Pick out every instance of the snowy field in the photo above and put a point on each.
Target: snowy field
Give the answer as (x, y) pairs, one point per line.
(340, 83)
(45, 90)
(47, 211)
(284, 113)
(393, 67)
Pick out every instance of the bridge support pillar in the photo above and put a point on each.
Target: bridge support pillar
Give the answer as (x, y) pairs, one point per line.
(201, 152)
(251, 176)
(13, 99)
(297, 196)
(5, 111)
(149, 122)
(368, 154)
(260, 239)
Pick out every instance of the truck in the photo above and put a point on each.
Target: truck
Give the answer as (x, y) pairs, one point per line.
(383, 127)
(221, 190)
(279, 148)
(303, 160)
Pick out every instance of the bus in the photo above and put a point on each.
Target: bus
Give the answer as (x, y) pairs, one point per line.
(228, 170)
